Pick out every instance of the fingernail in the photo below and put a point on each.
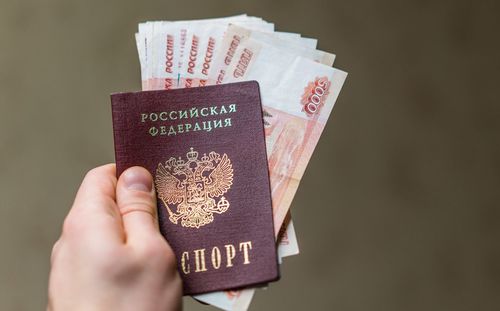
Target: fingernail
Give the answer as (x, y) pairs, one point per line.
(138, 178)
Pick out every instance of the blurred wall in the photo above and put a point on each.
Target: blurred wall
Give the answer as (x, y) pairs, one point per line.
(399, 207)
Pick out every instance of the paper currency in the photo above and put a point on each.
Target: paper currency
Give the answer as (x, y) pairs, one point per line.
(168, 49)
(228, 300)
(235, 36)
(296, 108)
(288, 245)
(298, 88)
(298, 95)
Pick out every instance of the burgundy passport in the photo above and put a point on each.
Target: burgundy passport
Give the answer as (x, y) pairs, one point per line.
(206, 151)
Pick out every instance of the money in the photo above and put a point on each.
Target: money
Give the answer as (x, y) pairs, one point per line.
(235, 36)
(287, 245)
(168, 49)
(298, 90)
(228, 300)
(298, 95)
(294, 115)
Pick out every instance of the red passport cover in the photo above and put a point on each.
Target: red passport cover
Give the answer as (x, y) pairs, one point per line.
(206, 151)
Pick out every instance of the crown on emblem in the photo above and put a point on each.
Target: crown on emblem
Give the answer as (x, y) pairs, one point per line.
(180, 162)
(192, 155)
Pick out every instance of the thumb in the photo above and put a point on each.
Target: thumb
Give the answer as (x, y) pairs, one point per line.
(136, 200)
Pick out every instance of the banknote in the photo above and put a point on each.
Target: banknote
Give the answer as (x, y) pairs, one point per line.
(236, 35)
(287, 239)
(298, 95)
(193, 46)
(297, 103)
(202, 44)
(165, 48)
(228, 300)
(298, 46)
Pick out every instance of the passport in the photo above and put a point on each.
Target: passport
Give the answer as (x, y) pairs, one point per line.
(206, 150)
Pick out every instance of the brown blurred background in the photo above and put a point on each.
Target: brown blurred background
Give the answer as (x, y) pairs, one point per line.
(399, 208)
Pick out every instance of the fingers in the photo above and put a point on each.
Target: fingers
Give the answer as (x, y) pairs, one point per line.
(94, 213)
(136, 202)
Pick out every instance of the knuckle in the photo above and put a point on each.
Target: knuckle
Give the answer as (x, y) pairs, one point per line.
(111, 261)
(92, 173)
(157, 252)
(150, 250)
(100, 174)
(136, 204)
(98, 171)
(70, 225)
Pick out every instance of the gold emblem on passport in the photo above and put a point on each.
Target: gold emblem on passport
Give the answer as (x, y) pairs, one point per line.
(193, 187)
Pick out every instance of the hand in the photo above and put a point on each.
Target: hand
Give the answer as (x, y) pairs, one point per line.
(110, 255)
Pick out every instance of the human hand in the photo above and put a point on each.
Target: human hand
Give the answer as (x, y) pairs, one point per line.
(111, 255)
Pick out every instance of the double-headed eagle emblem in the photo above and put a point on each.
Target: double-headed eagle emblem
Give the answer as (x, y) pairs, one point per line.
(193, 185)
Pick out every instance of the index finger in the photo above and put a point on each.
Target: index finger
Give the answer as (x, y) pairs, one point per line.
(94, 210)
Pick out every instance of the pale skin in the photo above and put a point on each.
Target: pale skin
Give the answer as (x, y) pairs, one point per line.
(111, 255)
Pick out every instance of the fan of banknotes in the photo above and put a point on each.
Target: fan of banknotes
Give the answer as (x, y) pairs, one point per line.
(298, 88)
